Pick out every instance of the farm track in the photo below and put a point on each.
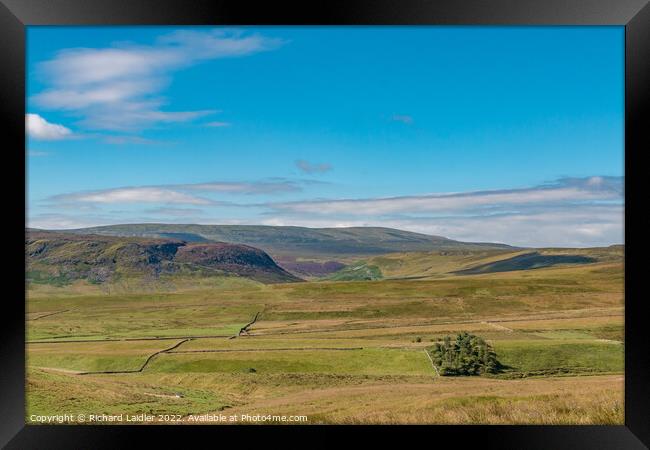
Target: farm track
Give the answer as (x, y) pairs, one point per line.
(152, 356)
(164, 338)
(263, 333)
(154, 307)
(268, 349)
(162, 395)
(48, 315)
(499, 327)
(430, 359)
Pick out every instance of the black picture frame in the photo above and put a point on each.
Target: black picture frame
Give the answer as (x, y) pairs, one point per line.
(15, 15)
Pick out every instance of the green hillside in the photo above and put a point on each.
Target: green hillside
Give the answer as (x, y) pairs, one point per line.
(60, 258)
(305, 252)
(472, 262)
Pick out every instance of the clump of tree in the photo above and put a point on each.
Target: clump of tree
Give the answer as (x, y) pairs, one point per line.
(467, 355)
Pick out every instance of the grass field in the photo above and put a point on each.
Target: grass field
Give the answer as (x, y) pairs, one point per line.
(335, 351)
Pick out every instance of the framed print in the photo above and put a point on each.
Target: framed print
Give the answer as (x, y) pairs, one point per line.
(373, 218)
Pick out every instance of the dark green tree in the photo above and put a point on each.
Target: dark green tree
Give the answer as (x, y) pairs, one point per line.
(466, 355)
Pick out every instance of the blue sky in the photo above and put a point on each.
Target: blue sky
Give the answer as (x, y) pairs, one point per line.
(506, 134)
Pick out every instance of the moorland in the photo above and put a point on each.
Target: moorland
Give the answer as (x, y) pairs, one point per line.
(337, 325)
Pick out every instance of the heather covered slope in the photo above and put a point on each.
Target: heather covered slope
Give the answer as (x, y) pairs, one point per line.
(60, 258)
(317, 243)
(305, 252)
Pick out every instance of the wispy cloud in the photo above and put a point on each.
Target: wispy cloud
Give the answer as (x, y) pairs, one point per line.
(568, 212)
(217, 124)
(37, 153)
(307, 167)
(118, 87)
(243, 187)
(176, 212)
(132, 195)
(403, 118)
(58, 221)
(564, 190)
(38, 128)
(180, 193)
(580, 226)
(126, 139)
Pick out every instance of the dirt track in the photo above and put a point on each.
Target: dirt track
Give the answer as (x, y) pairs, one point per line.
(48, 315)
(287, 349)
(166, 338)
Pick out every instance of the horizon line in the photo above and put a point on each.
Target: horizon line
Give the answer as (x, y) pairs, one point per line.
(311, 228)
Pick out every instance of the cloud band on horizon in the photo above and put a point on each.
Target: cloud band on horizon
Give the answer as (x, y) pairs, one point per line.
(568, 212)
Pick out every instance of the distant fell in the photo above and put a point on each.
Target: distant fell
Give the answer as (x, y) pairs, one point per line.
(288, 242)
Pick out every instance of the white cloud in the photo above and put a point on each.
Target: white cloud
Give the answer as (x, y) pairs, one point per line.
(571, 212)
(176, 193)
(178, 212)
(564, 191)
(582, 226)
(37, 127)
(76, 97)
(117, 88)
(241, 187)
(132, 195)
(57, 221)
